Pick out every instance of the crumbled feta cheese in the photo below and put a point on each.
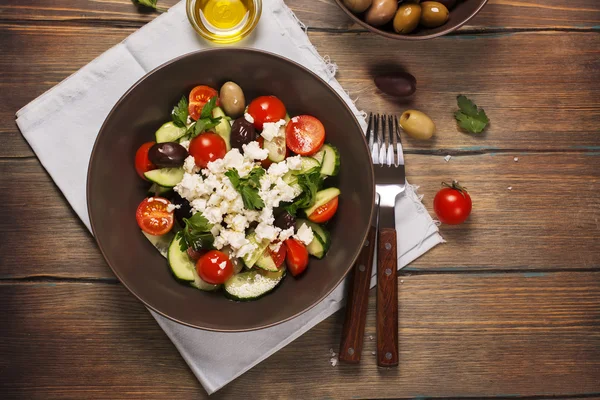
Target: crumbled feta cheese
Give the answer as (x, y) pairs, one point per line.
(185, 144)
(251, 215)
(249, 118)
(198, 205)
(278, 169)
(189, 165)
(172, 207)
(286, 192)
(516, 159)
(216, 167)
(275, 246)
(232, 238)
(304, 234)
(225, 206)
(191, 186)
(233, 159)
(271, 129)
(213, 215)
(286, 234)
(447, 158)
(215, 230)
(266, 216)
(188, 121)
(252, 150)
(267, 231)
(294, 163)
(237, 205)
(246, 249)
(239, 223)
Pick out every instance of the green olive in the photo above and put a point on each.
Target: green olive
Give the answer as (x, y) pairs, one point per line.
(357, 6)
(417, 124)
(232, 99)
(381, 12)
(407, 18)
(433, 14)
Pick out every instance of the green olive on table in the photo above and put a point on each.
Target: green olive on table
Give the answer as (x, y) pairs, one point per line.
(381, 12)
(407, 18)
(357, 6)
(417, 124)
(232, 99)
(433, 14)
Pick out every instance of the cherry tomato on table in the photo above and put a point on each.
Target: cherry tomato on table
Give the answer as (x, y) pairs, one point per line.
(266, 109)
(199, 96)
(296, 257)
(152, 216)
(207, 147)
(142, 162)
(452, 204)
(304, 135)
(214, 267)
(278, 256)
(325, 212)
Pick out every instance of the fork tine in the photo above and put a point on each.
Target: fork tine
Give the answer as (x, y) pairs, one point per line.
(399, 144)
(383, 150)
(395, 159)
(370, 131)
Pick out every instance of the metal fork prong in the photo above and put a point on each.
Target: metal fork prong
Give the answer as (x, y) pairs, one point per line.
(383, 160)
(388, 141)
(369, 135)
(394, 146)
(373, 141)
(399, 144)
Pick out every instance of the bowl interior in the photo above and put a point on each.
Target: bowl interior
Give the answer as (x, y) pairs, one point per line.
(115, 190)
(459, 15)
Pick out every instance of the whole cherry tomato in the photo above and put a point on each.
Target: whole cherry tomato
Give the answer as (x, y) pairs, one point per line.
(452, 204)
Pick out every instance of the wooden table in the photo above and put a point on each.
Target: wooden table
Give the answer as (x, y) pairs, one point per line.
(509, 307)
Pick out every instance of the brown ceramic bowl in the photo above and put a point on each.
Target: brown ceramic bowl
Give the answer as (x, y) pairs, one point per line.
(459, 15)
(114, 190)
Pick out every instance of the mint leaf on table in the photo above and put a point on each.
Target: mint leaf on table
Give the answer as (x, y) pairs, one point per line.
(180, 113)
(310, 183)
(206, 121)
(469, 117)
(196, 233)
(248, 187)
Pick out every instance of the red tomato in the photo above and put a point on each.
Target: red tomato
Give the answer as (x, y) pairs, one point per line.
(207, 147)
(142, 163)
(304, 135)
(297, 256)
(266, 109)
(278, 256)
(266, 163)
(199, 96)
(152, 216)
(214, 267)
(325, 212)
(452, 204)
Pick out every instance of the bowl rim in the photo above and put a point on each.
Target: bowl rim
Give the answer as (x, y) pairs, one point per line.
(397, 36)
(93, 155)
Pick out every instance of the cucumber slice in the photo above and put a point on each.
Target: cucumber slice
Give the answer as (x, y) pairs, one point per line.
(254, 284)
(180, 263)
(266, 262)
(287, 118)
(223, 129)
(308, 164)
(198, 283)
(251, 258)
(166, 177)
(331, 160)
(276, 148)
(169, 132)
(322, 240)
(161, 243)
(157, 190)
(319, 155)
(322, 197)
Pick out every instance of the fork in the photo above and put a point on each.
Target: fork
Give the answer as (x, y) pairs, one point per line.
(386, 150)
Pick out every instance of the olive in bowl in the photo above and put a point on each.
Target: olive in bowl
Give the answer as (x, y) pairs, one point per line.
(167, 155)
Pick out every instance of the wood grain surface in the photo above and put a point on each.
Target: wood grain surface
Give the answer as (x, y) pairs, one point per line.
(508, 308)
(387, 298)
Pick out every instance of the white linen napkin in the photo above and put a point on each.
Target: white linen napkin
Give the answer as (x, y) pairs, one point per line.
(62, 124)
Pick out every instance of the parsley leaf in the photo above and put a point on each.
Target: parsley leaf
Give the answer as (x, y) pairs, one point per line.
(149, 3)
(469, 117)
(248, 187)
(196, 233)
(310, 183)
(206, 121)
(180, 112)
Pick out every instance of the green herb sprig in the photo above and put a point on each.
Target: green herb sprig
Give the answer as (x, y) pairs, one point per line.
(196, 233)
(310, 183)
(150, 4)
(206, 121)
(248, 187)
(469, 117)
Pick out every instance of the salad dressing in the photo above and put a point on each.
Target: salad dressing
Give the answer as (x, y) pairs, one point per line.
(225, 21)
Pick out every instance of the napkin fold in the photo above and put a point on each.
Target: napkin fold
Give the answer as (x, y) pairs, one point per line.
(62, 124)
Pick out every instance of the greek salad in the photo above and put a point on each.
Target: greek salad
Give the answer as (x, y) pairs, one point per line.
(239, 195)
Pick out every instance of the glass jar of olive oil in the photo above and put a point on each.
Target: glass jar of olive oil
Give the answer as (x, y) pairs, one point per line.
(224, 21)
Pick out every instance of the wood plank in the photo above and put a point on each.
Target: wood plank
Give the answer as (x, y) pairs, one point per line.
(498, 14)
(549, 220)
(532, 104)
(471, 335)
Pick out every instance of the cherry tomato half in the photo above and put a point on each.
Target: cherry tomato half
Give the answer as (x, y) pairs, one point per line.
(266, 109)
(152, 216)
(452, 204)
(142, 162)
(325, 212)
(214, 267)
(296, 257)
(207, 147)
(199, 96)
(278, 256)
(304, 135)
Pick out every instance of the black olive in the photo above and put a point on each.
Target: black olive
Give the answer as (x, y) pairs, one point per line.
(285, 220)
(167, 155)
(242, 132)
(184, 210)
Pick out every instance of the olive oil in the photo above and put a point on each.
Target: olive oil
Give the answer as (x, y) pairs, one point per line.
(224, 21)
